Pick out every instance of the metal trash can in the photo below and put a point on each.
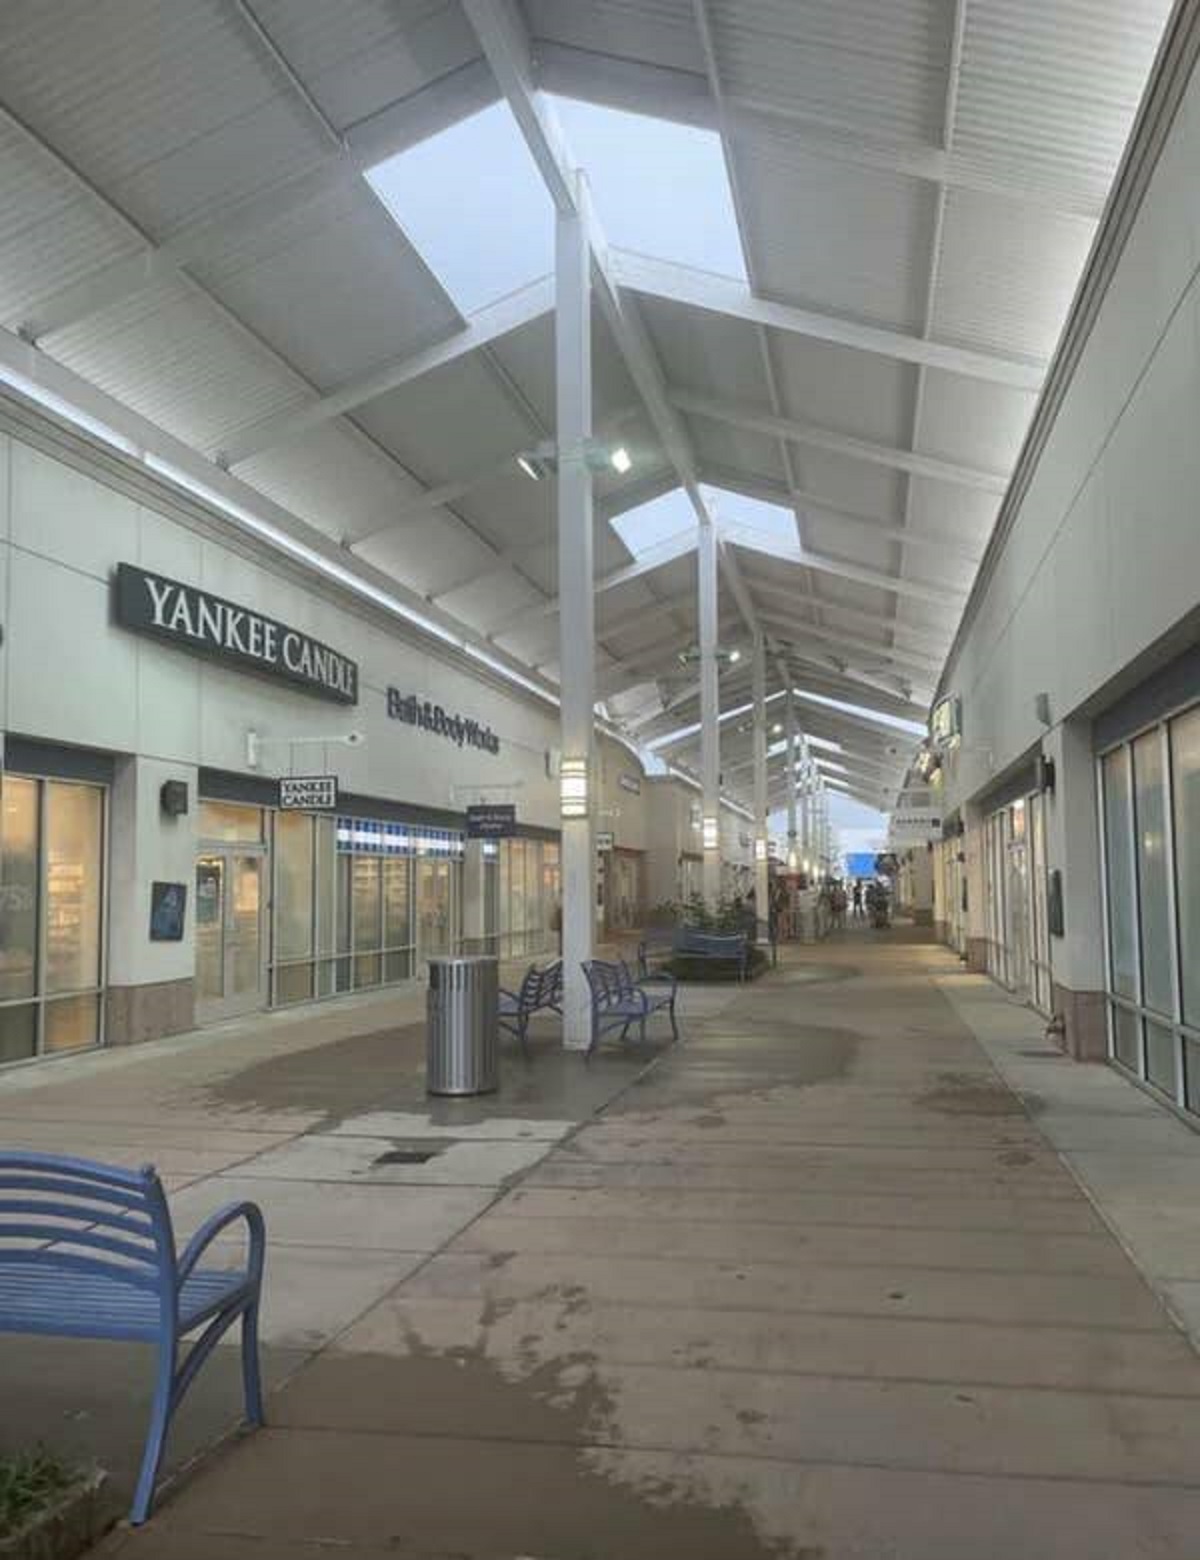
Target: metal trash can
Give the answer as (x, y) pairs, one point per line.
(462, 1050)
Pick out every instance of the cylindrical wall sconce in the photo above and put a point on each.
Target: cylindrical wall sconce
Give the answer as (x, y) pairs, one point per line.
(573, 787)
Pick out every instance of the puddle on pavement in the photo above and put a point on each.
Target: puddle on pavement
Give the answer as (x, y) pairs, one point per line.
(967, 1094)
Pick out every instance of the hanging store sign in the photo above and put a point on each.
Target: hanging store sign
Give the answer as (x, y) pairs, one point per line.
(604, 840)
(427, 716)
(221, 630)
(914, 826)
(308, 793)
(630, 783)
(491, 822)
(945, 723)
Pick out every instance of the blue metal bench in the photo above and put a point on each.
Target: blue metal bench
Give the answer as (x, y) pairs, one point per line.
(87, 1251)
(720, 947)
(619, 1001)
(540, 992)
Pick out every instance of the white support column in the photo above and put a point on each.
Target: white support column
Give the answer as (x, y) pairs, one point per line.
(789, 728)
(710, 729)
(573, 400)
(761, 876)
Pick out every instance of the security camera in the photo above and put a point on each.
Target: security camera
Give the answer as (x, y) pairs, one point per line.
(354, 738)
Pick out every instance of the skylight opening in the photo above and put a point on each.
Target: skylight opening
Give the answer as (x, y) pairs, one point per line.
(762, 524)
(473, 206)
(649, 525)
(659, 188)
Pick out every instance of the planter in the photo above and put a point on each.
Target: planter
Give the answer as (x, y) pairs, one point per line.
(65, 1529)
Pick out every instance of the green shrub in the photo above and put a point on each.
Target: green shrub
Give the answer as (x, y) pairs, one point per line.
(29, 1483)
(690, 969)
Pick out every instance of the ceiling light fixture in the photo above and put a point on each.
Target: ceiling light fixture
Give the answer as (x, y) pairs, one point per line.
(620, 460)
(533, 468)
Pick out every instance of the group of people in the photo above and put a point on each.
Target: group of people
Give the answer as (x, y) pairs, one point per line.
(840, 900)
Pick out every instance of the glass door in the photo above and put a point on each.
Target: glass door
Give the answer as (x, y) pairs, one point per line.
(229, 934)
(433, 908)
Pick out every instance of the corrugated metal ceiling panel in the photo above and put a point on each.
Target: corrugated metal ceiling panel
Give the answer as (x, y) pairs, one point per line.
(167, 108)
(1008, 274)
(661, 32)
(450, 423)
(1048, 92)
(332, 479)
(170, 353)
(973, 421)
(335, 287)
(834, 387)
(942, 509)
(710, 353)
(51, 234)
(840, 238)
(359, 56)
(868, 65)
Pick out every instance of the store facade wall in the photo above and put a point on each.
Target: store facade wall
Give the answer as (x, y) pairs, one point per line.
(148, 878)
(1091, 592)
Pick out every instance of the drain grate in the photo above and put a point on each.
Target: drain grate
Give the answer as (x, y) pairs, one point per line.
(408, 1156)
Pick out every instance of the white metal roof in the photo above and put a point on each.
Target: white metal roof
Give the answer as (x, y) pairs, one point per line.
(184, 224)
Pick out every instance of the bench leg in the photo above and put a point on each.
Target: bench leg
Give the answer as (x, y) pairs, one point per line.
(251, 1377)
(674, 1025)
(156, 1436)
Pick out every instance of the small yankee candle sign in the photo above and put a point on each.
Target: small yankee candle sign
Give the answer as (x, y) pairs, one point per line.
(208, 625)
(308, 793)
(427, 716)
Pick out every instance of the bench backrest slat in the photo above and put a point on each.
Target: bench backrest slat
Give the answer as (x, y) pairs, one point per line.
(97, 1219)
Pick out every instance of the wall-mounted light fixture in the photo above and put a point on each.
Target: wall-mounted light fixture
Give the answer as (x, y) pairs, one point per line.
(760, 848)
(573, 787)
(712, 832)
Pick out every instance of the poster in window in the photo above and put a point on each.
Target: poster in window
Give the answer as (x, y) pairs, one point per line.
(168, 902)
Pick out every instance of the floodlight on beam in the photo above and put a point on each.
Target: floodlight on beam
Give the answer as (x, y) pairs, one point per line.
(544, 460)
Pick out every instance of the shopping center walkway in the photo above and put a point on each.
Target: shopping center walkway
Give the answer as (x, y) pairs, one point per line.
(813, 1284)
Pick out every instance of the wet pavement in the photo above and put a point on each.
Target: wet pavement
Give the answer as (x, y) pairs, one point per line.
(813, 1284)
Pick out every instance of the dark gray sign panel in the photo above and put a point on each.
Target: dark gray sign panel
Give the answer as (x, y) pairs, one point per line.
(208, 625)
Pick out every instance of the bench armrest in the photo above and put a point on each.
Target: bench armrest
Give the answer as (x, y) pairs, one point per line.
(212, 1227)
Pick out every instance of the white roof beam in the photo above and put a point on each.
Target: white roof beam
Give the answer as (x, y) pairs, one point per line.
(753, 421)
(482, 328)
(677, 283)
(937, 595)
(814, 507)
(684, 95)
(909, 660)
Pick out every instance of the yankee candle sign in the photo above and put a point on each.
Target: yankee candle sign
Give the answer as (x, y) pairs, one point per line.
(209, 625)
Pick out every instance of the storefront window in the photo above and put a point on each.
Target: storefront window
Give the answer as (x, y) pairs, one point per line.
(345, 917)
(1185, 785)
(1151, 794)
(1118, 852)
(232, 822)
(51, 898)
(1154, 912)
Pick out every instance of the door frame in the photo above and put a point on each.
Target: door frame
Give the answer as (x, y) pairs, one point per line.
(215, 1010)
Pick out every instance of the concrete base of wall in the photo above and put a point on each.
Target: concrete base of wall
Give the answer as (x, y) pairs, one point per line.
(136, 1013)
(1085, 1032)
(941, 931)
(977, 955)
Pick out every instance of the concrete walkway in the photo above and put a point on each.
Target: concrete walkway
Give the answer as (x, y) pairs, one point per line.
(814, 1284)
